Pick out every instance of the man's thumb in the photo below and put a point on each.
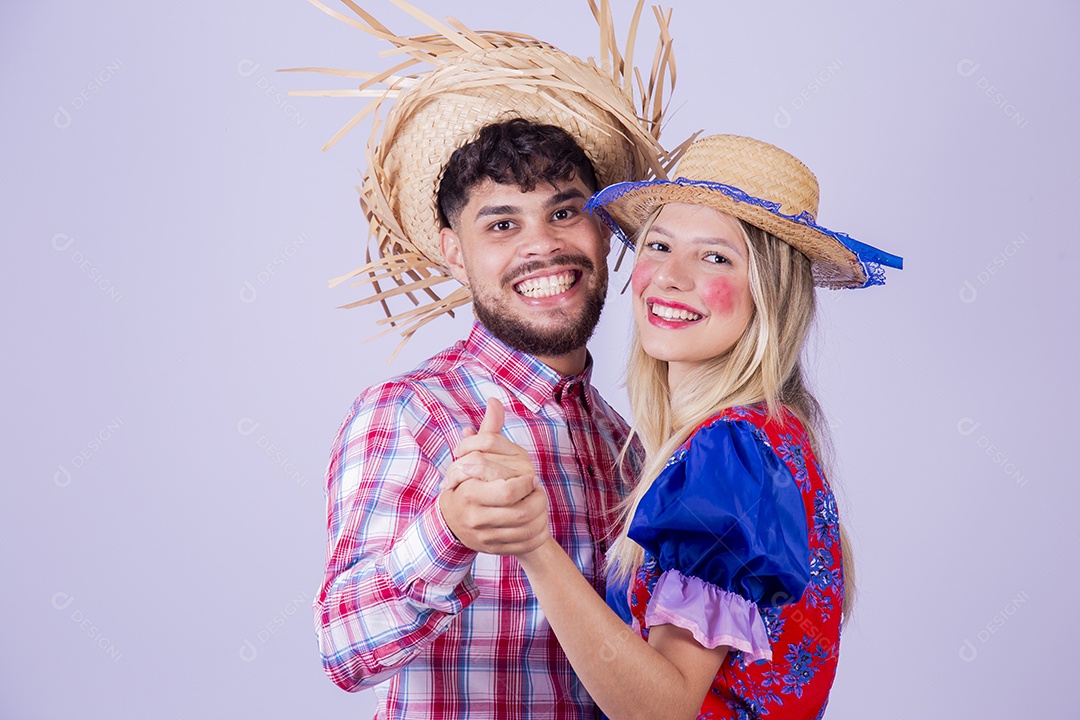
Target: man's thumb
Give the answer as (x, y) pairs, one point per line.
(493, 417)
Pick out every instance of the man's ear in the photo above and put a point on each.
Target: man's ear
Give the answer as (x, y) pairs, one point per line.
(450, 244)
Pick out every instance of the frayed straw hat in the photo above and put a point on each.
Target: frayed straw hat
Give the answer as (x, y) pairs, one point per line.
(761, 184)
(481, 77)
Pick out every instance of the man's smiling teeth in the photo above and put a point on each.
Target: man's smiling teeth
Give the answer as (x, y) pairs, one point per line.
(546, 286)
(670, 313)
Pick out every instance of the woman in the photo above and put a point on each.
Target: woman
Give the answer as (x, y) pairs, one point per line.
(726, 583)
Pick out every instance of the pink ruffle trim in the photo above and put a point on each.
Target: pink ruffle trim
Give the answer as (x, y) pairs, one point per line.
(714, 616)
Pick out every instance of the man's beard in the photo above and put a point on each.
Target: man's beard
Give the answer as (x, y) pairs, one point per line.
(554, 341)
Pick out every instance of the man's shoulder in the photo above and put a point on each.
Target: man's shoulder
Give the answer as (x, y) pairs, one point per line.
(427, 397)
(439, 379)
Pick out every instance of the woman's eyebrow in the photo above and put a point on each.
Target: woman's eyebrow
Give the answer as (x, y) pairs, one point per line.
(701, 240)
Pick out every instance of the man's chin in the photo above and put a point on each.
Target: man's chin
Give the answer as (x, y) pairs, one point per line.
(556, 337)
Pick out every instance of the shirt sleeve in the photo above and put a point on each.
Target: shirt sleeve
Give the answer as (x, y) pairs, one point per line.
(396, 576)
(727, 526)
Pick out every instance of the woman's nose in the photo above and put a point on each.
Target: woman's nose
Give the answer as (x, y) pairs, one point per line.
(673, 273)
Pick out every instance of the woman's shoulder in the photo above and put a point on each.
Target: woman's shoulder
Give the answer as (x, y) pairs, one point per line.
(729, 465)
(754, 420)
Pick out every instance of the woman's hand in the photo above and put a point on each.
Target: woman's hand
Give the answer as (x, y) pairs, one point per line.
(491, 498)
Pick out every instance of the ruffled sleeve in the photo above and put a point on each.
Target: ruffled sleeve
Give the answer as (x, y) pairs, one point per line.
(727, 526)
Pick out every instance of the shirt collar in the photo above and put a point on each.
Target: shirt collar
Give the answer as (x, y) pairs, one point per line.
(525, 375)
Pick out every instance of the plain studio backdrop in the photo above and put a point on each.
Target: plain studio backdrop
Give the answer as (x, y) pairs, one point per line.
(177, 367)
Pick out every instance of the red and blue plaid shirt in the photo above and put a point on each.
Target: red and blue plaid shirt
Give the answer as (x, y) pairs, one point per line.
(438, 630)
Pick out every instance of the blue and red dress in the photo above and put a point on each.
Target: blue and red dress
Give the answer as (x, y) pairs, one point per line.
(742, 548)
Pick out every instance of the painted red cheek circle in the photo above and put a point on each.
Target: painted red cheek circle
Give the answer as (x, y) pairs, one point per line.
(640, 277)
(719, 295)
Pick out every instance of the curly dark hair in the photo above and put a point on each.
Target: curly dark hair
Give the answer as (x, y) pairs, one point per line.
(518, 152)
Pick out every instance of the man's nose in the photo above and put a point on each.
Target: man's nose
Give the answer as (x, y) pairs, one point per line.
(542, 239)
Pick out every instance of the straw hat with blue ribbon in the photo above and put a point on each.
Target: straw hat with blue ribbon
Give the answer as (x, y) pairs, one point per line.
(761, 184)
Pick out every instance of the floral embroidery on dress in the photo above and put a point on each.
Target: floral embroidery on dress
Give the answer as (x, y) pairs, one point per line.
(774, 622)
(821, 579)
(791, 452)
(803, 662)
(742, 412)
(744, 710)
(765, 695)
(826, 519)
(821, 561)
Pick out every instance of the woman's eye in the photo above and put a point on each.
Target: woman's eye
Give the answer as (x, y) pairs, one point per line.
(716, 258)
(657, 246)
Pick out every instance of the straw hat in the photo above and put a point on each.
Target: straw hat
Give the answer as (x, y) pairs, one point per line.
(480, 78)
(761, 184)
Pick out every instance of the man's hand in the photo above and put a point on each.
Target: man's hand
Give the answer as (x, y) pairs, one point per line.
(491, 498)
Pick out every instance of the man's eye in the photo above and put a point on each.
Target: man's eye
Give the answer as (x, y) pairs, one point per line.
(502, 225)
(562, 214)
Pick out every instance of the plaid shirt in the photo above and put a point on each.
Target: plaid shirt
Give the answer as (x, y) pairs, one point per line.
(438, 630)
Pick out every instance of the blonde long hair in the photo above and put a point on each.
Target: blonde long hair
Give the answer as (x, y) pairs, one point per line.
(765, 365)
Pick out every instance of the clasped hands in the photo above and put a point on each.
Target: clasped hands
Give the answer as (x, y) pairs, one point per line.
(491, 498)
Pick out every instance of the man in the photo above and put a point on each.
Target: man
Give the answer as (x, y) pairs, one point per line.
(415, 602)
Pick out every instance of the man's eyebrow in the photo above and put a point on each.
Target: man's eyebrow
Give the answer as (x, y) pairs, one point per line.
(561, 197)
(488, 210)
(556, 199)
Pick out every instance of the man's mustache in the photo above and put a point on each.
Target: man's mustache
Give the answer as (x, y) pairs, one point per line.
(532, 266)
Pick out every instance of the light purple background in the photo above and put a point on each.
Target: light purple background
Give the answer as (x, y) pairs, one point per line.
(177, 370)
